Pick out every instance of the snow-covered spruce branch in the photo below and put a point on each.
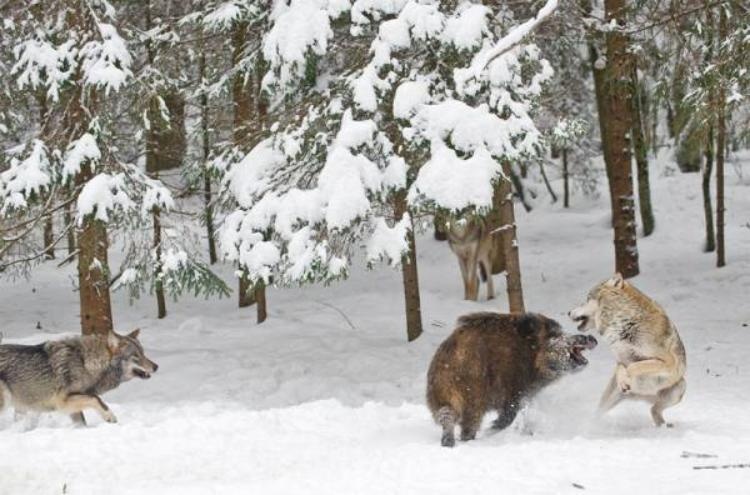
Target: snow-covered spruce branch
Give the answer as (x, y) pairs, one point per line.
(504, 45)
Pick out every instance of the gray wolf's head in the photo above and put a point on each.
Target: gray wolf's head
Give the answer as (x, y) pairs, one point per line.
(588, 315)
(128, 351)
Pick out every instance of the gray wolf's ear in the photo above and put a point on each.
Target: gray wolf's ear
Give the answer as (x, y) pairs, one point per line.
(134, 334)
(617, 281)
(113, 341)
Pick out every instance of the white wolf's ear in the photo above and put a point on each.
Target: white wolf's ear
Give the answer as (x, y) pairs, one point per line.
(134, 334)
(617, 281)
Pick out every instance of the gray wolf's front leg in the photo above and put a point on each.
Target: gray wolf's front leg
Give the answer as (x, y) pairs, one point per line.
(76, 403)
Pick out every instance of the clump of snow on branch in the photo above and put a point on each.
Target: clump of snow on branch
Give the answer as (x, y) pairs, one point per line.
(101, 196)
(25, 177)
(83, 150)
(106, 62)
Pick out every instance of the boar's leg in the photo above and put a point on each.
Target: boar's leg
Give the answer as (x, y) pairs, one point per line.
(666, 398)
(471, 420)
(505, 416)
(446, 418)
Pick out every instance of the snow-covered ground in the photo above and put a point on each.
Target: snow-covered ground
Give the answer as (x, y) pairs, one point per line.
(309, 402)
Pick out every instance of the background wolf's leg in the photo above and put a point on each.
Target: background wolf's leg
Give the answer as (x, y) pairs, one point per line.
(76, 403)
(486, 267)
(78, 419)
(462, 262)
(667, 398)
(611, 396)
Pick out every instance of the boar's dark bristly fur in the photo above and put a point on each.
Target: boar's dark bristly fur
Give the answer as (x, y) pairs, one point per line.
(494, 361)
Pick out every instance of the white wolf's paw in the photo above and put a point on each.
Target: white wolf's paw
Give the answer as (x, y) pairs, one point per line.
(109, 417)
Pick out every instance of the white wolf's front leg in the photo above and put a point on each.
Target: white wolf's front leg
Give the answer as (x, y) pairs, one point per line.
(623, 378)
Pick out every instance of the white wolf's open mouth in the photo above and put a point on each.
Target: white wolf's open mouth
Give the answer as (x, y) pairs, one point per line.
(582, 322)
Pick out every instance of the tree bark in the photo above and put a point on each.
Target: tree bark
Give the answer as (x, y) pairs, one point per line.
(641, 157)
(242, 100)
(93, 277)
(49, 232)
(49, 238)
(161, 303)
(410, 276)
(708, 211)
(566, 185)
(546, 182)
(207, 204)
(599, 75)
(157, 139)
(721, 137)
(619, 124)
(71, 237)
(510, 243)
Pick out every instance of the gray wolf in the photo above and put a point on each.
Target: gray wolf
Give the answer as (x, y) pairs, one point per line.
(68, 375)
(495, 361)
(472, 241)
(650, 356)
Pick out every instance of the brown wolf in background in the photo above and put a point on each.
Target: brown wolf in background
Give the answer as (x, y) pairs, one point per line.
(68, 375)
(477, 250)
(650, 355)
(494, 361)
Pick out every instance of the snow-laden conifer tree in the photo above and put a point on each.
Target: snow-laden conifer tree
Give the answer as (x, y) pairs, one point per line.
(416, 111)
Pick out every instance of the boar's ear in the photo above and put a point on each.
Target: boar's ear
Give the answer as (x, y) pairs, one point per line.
(527, 325)
(617, 281)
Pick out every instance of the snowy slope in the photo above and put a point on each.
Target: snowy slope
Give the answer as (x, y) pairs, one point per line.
(307, 404)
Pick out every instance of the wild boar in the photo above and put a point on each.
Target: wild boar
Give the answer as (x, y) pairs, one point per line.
(495, 361)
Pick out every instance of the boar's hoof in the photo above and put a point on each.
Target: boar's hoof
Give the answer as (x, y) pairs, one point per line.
(448, 440)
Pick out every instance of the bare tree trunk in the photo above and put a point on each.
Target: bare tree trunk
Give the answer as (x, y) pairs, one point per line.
(566, 185)
(708, 211)
(262, 117)
(207, 205)
(243, 107)
(161, 303)
(49, 238)
(708, 152)
(546, 182)
(601, 107)
(510, 242)
(618, 127)
(71, 237)
(260, 299)
(93, 277)
(641, 157)
(155, 152)
(721, 137)
(410, 277)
